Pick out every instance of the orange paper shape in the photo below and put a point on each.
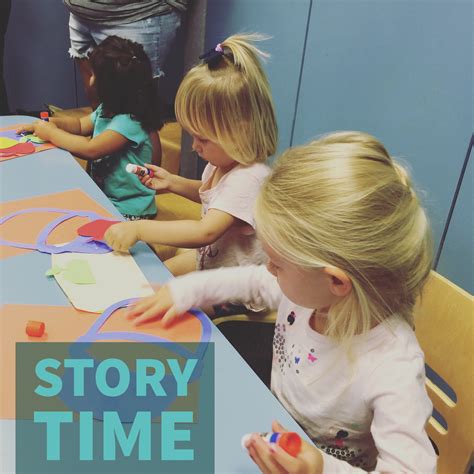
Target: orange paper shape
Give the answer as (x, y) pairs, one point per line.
(26, 227)
(65, 324)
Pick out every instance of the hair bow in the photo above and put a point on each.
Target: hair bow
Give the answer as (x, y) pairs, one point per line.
(212, 56)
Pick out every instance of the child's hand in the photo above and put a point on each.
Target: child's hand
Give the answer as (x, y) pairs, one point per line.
(121, 237)
(44, 129)
(29, 127)
(159, 305)
(275, 460)
(161, 180)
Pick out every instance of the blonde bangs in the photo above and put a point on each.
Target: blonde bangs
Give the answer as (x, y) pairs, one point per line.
(191, 106)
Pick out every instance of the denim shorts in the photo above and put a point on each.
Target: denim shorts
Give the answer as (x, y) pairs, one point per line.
(156, 34)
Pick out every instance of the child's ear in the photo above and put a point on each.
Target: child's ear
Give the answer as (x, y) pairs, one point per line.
(339, 283)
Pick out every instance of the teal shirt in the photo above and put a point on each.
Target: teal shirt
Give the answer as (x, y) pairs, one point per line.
(124, 189)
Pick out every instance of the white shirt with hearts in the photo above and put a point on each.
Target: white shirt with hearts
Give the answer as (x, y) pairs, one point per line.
(364, 412)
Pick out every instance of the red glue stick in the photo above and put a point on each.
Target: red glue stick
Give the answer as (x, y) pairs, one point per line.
(138, 170)
(44, 116)
(288, 441)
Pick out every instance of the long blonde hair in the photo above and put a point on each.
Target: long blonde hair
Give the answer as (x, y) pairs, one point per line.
(229, 102)
(342, 201)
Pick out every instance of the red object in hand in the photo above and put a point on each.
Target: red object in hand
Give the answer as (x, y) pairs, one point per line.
(96, 229)
(288, 441)
(35, 328)
(44, 116)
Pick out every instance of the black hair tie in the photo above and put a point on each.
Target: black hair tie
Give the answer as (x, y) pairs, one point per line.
(212, 56)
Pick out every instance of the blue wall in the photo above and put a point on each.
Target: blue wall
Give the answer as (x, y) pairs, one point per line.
(37, 65)
(400, 71)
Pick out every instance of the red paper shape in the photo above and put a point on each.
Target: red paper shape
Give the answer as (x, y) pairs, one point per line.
(95, 229)
(20, 149)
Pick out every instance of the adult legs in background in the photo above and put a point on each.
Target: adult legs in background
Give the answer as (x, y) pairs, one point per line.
(156, 34)
(82, 44)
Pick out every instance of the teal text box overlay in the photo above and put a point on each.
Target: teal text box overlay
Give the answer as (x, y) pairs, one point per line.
(114, 407)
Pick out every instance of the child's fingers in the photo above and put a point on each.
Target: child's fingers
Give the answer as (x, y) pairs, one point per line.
(285, 461)
(277, 428)
(153, 312)
(139, 307)
(147, 181)
(24, 128)
(255, 455)
(109, 240)
(109, 237)
(154, 168)
(117, 239)
(263, 455)
(170, 316)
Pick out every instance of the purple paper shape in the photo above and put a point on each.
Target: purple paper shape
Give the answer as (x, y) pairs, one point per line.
(94, 334)
(79, 244)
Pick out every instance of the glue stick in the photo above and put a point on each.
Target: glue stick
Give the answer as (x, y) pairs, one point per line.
(138, 170)
(288, 441)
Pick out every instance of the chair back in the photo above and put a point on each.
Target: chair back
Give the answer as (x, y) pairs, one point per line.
(444, 326)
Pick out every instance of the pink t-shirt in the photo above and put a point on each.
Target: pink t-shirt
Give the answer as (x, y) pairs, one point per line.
(235, 194)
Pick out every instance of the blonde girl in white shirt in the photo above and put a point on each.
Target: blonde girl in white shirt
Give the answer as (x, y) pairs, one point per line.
(225, 104)
(349, 250)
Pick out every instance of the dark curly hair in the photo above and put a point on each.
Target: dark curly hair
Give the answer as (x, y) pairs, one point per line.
(124, 81)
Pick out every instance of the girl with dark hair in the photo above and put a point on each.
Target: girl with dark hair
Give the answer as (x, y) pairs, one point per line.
(122, 127)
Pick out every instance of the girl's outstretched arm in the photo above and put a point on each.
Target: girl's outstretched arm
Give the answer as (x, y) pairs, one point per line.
(87, 148)
(74, 125)
(183, 233)
(253, 284)
(78, 126)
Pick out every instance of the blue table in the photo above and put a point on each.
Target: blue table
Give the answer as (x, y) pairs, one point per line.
(242, 402)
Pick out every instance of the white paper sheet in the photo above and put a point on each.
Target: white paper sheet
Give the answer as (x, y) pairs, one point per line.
(117, 276)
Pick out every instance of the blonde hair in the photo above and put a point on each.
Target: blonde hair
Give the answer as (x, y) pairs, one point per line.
(229, 102)
(342, 201)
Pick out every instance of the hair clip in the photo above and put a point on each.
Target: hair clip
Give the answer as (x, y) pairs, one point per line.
(213, 55)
